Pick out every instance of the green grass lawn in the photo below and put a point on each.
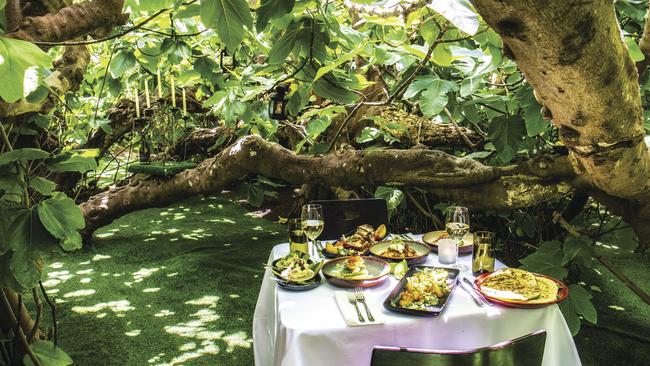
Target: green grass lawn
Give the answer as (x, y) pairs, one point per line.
(178, 285)
(168, 286)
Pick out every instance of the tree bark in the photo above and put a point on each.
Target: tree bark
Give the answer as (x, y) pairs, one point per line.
(572, 53)
(72, 22)
(63, 22)
(447, 176)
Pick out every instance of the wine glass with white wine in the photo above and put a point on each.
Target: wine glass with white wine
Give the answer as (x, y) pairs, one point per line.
(312, 223)
(457, 225)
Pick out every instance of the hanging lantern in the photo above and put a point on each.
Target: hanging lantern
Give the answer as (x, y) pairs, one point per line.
(278, 103)
(145, 148)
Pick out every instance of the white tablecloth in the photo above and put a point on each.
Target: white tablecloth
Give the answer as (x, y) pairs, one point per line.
(307, 329)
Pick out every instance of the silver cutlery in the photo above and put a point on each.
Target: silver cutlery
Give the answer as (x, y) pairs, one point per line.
(475, 292)
(472, 295)
(362, 299)
(352, 298)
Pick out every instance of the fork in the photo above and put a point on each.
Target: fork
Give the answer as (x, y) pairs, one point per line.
(353, 300)
(362, 299)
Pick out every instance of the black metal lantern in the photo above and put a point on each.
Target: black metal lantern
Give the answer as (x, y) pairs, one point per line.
(278, 103)
(145, 147)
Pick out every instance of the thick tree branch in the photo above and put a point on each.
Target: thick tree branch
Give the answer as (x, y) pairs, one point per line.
(74, 21)
(573, 55)
(446, 176)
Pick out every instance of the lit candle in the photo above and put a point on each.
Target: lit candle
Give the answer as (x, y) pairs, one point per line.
(447, 251)
(137, 102)
(159, 84)
(146, 93)
(184, 103)
(173, 93)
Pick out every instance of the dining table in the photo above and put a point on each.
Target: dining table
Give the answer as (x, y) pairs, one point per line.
(307, 328)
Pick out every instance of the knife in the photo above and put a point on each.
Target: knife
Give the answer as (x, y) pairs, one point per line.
(475, 292)
(474, 297)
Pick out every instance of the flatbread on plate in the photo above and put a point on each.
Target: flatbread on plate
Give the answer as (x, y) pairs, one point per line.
(548, 291)
(512, 284)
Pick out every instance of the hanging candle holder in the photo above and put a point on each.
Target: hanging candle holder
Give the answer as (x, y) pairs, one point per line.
(278, 103)
(145, 148)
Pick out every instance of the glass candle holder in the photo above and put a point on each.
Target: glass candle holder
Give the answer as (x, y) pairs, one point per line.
(447, 251)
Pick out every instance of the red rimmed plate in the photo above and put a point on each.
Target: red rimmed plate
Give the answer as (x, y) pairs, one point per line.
(378, 271)
(562, 294)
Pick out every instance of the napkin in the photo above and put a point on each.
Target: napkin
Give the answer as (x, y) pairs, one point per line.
(350, 315)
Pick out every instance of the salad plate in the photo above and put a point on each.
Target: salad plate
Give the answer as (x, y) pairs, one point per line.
(423, 291)
(296, 272)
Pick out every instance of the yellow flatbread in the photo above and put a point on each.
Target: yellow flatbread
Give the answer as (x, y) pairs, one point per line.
(548, 291)
(512, 284)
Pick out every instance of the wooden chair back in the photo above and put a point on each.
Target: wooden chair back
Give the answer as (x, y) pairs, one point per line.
(343, 216)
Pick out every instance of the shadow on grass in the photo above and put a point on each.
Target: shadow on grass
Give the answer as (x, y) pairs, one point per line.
(168, 286)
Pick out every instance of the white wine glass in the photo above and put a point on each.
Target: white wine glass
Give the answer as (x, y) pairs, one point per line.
(312, 223)
(457, 225)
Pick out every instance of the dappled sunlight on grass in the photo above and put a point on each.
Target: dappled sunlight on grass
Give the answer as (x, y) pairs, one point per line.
(80, 293)
(164, 289)
(118, 306)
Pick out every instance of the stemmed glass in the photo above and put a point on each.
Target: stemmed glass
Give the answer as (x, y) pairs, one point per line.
(312, 223)
(457, 225)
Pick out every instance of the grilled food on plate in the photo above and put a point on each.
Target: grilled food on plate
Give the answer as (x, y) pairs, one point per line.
(358, 242)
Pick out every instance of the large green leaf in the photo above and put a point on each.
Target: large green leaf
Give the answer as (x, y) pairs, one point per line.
(122, 61)
(635, 51)
(506, 134)
(228, 18)
(578, 304)
(12, 188)
(62, 218)
(48, 354)
(282, 48)
(27, 153)
(574, 247)
(393, 196)
(339, 61)
(546, 260)
(535, 123)
(433, 101)
(428, 82)
(270, 9)
(72, 161)
(7, 279)
(17, 58)
(26, 238)
(42, 185)
(459, 13)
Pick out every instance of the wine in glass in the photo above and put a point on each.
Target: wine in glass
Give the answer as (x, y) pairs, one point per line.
(457, 225)
(312, 223)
